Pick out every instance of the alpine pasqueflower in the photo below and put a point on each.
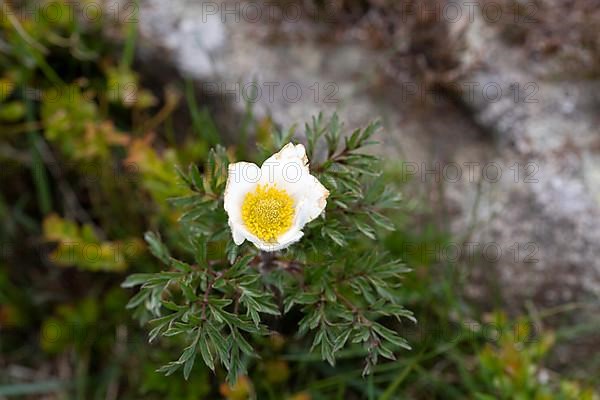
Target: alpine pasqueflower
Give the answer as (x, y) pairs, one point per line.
(269, 205)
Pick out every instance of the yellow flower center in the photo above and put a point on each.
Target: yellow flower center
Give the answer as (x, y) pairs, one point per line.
(268, 212)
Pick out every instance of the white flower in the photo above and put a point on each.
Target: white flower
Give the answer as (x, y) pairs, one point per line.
(269, 205)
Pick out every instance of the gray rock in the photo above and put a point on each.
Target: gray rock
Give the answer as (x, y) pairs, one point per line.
(551, 128)
(544, 129)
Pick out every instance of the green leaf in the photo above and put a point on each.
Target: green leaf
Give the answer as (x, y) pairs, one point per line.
(135, 280)
(188, 292)
(244, 346)
(200, 250)
(341, 339)
(382, 221)
(180, 265)
(185, 201)
(206, 353)
(196, 177)
(187, 367)
(336, 236)
(136, 300)
(240, 266)
(390, 336)
(365, 229)
(157, 248)
(232, 251)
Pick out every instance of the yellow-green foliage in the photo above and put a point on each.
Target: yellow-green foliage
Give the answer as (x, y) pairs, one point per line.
(69, 118)
(81, 247)
(512, 365)
(156, 171)
(124, 88)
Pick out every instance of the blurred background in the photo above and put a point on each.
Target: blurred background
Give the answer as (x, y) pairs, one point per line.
(490, 111)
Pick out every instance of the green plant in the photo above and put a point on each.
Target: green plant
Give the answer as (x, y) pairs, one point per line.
(338, 278)
(512, 367)
(82, 248)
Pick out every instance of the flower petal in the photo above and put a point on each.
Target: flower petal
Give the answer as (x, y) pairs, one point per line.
(237, 234)
(287, 165)
(284, 241)
(291, 151)
(312, 201)
(242, 178)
